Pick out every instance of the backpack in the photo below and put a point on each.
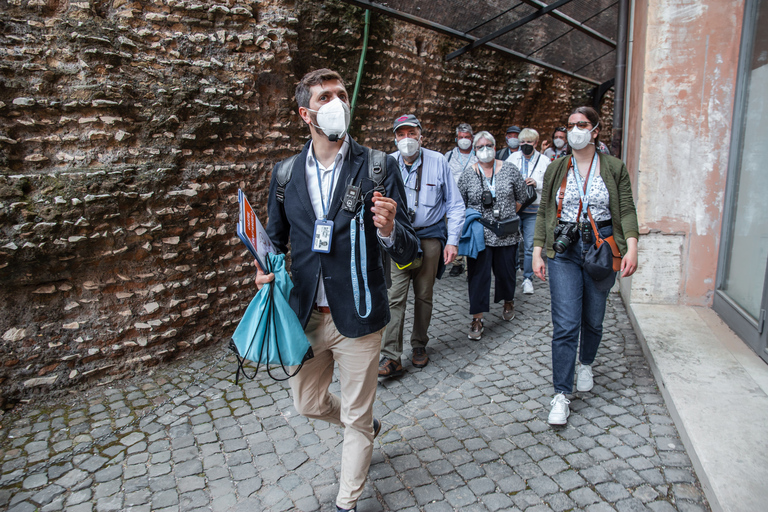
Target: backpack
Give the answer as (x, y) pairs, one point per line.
(377, 171)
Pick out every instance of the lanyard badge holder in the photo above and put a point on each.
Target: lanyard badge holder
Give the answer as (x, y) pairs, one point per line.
(585, 190)
(323, 234)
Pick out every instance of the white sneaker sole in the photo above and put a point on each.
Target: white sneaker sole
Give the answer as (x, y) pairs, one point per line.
(558, 422)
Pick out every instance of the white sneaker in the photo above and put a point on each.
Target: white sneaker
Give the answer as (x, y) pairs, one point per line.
(527, 287)
(559, 413)
(584, 380)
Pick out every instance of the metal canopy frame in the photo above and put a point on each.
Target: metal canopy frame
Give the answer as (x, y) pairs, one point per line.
(576, 38)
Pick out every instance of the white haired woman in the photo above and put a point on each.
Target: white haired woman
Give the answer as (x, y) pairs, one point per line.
(532, 166)
(493, 188)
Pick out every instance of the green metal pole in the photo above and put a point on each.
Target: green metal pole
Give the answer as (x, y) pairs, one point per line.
(360, 67)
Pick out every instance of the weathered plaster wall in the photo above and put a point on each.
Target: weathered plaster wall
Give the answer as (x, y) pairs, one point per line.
(686, 57)
(126, 129)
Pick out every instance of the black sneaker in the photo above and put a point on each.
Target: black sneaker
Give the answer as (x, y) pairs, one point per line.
(456, 271)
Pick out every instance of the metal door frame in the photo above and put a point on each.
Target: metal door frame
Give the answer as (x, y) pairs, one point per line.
(752, 331)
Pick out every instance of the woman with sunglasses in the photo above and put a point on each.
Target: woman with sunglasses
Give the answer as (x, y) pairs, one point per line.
(493, 188)
(599, 184)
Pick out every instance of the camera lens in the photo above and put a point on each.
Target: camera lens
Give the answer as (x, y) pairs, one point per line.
(560, 245)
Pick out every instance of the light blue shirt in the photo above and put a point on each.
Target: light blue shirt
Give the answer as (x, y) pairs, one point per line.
(438, 197)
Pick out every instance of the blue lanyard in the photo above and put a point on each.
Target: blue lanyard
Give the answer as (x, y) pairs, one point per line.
(525, 166)
(320, 184)
(469, 157)
(590, 176)
(355, 225)
(491, 185)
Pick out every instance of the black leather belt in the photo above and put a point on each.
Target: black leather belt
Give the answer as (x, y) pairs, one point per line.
(598, 223)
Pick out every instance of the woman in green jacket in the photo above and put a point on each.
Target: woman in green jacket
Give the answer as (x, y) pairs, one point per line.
(599, 184)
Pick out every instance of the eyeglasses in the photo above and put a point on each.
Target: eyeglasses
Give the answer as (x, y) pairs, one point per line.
(583, 125)
(484, 146)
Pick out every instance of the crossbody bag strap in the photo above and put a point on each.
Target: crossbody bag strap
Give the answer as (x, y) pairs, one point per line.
(599, 240)
(561, 195)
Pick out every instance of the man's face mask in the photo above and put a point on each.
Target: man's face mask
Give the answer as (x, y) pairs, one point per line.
(332, 119)
(408, 147)
(464, 144)
(513, 142)
(559, 143)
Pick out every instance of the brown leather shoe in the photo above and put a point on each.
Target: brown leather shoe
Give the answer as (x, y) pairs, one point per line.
(390, 368)
(476, 329)
(420, 359)
(509, 310)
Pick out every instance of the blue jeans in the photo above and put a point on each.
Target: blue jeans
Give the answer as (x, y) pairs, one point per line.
(578, 308)
(527, 227)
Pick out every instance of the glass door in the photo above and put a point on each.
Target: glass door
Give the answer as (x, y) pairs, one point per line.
(741, 297)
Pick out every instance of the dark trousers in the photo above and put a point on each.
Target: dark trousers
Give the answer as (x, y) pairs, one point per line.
(502, 261)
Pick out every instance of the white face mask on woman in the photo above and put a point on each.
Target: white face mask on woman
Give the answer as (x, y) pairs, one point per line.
(580, 138)
(485, 155)
(408, 147)
(333, 119)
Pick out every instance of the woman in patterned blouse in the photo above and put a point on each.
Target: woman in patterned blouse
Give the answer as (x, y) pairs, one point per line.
(502, 182)
(599, 184)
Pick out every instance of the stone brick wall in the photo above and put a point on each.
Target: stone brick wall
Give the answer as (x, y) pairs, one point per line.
(126, 129)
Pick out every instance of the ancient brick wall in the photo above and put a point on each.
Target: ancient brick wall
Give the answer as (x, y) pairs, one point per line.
(126, 129)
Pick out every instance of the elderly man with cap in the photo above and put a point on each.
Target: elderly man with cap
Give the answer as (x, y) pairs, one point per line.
(512, 143)
(431, 194)
(459, 158)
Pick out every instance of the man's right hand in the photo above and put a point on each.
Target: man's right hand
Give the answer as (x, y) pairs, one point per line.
(261, 277)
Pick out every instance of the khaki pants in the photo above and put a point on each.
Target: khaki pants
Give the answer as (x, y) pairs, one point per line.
(423, 271)
(358, 376)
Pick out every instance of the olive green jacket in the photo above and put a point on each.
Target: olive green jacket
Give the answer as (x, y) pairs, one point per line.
(621, 203)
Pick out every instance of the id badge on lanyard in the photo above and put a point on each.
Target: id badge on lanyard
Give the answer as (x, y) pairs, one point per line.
(321, 239)
(323, 234)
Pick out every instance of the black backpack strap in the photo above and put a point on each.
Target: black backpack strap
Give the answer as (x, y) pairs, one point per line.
(377, 168)
(450, 155)
(283, 176)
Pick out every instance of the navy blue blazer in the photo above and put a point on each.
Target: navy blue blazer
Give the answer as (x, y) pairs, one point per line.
(294, 221)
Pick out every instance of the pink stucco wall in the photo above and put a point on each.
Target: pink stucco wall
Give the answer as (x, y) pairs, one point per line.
(683, 76)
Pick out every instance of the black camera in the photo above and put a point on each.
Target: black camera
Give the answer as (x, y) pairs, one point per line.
(487, 198)
(565, 235)
(411, 215)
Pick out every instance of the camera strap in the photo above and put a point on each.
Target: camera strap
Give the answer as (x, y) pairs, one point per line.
(407, 174)
(483, 179)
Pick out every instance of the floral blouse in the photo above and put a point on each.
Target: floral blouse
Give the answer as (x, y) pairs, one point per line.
(599, 201)
(510, 189)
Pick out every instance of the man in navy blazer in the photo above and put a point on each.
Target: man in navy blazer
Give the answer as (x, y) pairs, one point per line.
(337, 251)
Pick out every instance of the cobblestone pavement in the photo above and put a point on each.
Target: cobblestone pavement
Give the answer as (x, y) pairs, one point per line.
(468, 432)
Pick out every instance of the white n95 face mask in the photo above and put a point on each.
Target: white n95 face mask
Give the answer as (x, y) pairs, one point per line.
(408, 147)
(513, 142)
(559, 143)
(485, 155)
(464, 144)
(579, 138)
(333, 119)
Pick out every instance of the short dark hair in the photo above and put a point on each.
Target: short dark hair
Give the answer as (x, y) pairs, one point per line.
(311, 79)
(593, 117)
